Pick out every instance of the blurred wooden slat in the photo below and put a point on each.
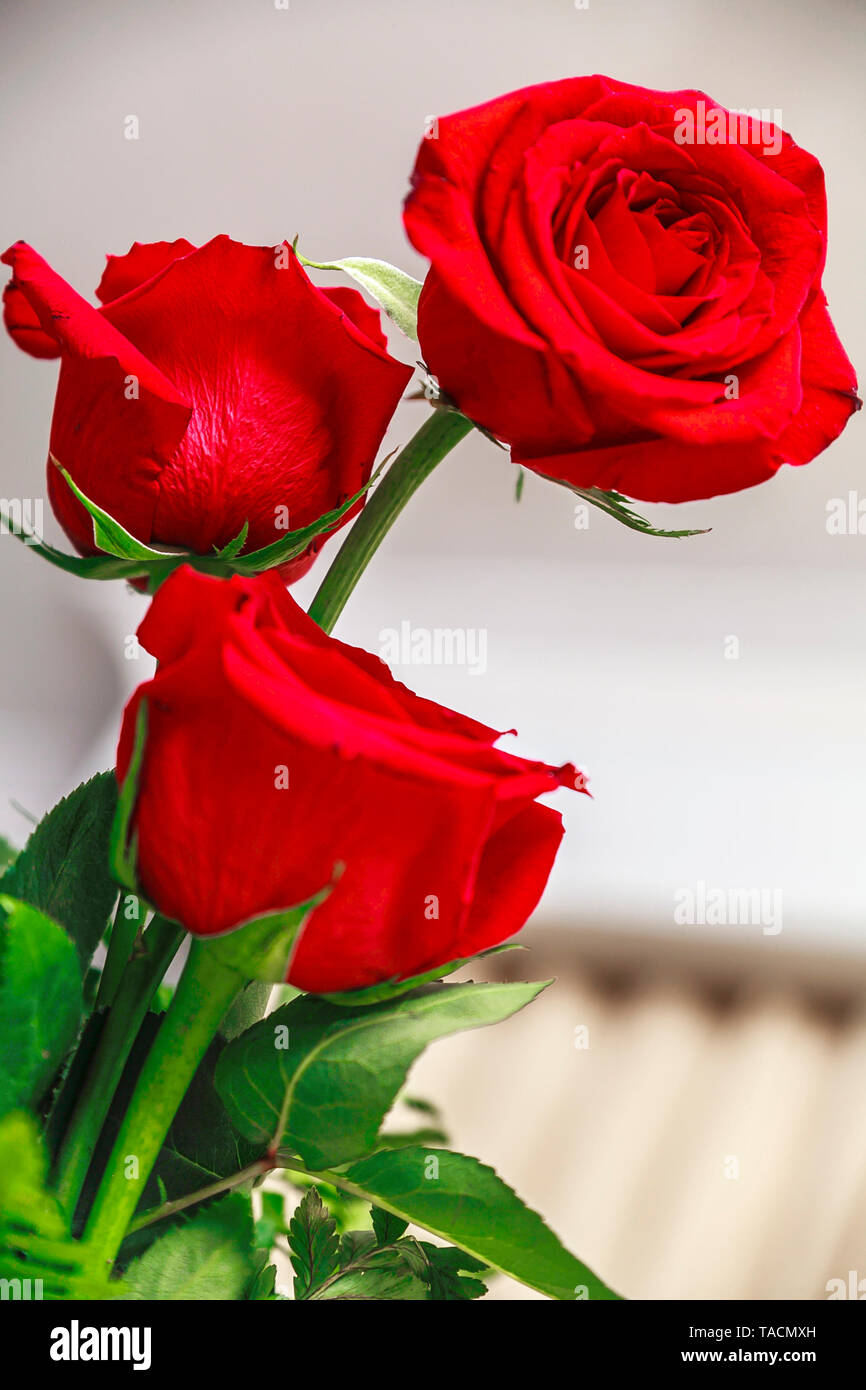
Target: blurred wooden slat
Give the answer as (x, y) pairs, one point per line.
(691, 1150)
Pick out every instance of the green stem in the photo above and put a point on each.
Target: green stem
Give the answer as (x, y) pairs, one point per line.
(207, 987)
(244, 1175)
(436, 437)
(204, 994)
(139, 983)
(121, 943)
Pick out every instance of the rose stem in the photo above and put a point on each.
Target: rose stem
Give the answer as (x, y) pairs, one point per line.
(138, 984)
(203, 996)
(163, 1083)
(436, 437)
(121, 944)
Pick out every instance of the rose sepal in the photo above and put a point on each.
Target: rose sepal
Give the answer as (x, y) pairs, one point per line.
(123, 556)
(392, 989)
(393, 290)
(262, 947)
(620, 508)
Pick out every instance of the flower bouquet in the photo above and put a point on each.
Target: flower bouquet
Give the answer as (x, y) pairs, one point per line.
(219, 961)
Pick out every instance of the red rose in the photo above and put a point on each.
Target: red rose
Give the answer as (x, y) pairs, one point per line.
(274, 752)
(213, 387)
(627, 300)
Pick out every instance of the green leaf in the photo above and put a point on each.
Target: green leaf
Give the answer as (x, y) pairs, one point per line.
(40, 1002)
(447, 1271)
(395, 291)
(35, 1243)
(349, 1213)
(8, 854)
(313, 1243)
(390, 1281)
(356, 1267)
(400, 1139)
(620, 508)
(424, 1107)
(392, 989)
(387, 1227)
(386, 1264)
(63, 869)
(357, 1246)
(211, 1257)
(325, 1094)
(264, 1285)
(272, 1222)
(108, 535)
(465, 1202)
(24, 1200)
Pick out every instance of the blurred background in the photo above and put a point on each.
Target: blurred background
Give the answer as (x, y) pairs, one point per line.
(685, 1104)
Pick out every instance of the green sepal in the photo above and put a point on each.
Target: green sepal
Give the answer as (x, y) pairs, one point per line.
(393, 290)
(234, 547)
(128, 558)
(108, 535)
(123, 847)
(262, 947)
(620, 508)
(84, 566)
(392, 989)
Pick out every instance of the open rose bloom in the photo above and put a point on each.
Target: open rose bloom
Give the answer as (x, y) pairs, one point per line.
(212, 388)
(626, 304)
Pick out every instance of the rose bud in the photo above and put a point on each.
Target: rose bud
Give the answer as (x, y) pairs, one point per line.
(213, 387)
(275, 754)
(639, 273)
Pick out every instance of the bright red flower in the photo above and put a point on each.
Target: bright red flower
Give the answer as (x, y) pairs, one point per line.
(213, 386)
(629, 301)
(275, 752)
